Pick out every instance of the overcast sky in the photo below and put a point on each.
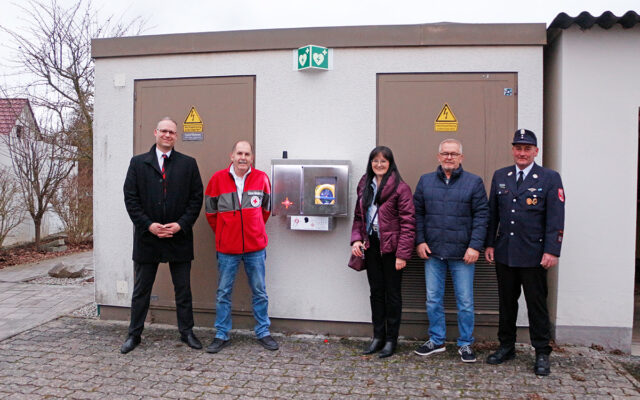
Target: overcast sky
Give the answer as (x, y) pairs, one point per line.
(171, 16)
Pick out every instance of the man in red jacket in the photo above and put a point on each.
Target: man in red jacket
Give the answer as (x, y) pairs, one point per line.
(237, 207)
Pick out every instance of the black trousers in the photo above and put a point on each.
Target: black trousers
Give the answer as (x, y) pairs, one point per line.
(534, 282)
(144, 276)
(386, 296)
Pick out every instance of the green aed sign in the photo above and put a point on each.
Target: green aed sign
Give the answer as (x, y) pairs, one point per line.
(315, 57)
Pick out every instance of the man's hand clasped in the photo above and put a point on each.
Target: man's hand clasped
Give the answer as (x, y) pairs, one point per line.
(164, 231)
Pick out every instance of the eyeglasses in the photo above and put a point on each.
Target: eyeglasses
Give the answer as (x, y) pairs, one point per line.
(452, 155)
(163, 131)
(379, 162)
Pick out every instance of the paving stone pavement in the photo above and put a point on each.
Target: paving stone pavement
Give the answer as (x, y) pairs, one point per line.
(78, 358)
(25, 305)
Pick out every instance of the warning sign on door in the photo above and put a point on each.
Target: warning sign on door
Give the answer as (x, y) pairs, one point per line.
(192, 123)
(446, 120)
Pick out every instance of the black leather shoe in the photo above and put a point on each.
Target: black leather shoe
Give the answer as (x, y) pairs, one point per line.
(542, 366)
(131, 343)
(375, 346)
(501, 355)
(268, 343)
(191, 340)
(388, 349)
(217, 345)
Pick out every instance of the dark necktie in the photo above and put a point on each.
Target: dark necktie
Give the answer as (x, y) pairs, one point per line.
(520, 179)
(164, 175)
(164, 159)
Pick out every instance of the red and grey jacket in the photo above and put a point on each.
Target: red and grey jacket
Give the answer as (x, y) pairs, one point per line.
(238, 225)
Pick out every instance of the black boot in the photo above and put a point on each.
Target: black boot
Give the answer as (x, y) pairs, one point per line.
(375, 346)
(388, 349)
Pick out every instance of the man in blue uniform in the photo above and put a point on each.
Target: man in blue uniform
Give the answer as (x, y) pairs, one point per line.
(524, 237)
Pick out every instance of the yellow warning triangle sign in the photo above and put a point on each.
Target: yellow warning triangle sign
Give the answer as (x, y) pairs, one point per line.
(193, 117)
(446, 115)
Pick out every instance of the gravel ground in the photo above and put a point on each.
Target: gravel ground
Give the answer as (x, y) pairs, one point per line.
(85, 279)
(87, 311)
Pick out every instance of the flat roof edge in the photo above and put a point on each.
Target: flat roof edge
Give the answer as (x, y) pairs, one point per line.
(440, 34)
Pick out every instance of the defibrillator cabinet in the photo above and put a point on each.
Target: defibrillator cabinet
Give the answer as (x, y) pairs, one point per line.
(310, 192)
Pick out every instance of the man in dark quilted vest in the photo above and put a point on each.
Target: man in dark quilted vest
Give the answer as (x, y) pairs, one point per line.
(451, 224)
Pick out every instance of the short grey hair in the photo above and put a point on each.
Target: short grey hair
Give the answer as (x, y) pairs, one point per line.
(450, 140)
(167, 119)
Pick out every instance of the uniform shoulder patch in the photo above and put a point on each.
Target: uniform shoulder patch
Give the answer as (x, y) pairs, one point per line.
(561, 194)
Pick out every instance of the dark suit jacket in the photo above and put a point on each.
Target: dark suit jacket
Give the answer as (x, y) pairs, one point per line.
(146, 203)
(526, 222)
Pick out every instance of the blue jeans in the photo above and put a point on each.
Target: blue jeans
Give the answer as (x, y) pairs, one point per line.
(227, 269)
(435, 271)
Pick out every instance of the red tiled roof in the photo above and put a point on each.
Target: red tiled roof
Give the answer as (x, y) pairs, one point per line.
(10, 110)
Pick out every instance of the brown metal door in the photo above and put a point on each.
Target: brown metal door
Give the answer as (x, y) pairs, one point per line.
(226, 106)
(485, 107)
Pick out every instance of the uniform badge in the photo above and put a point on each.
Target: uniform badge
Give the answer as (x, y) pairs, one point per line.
(256, 201)
(502, 185)
(510, 173)
(532, 202)
(561, 194)
(535, 176)
(532, 189)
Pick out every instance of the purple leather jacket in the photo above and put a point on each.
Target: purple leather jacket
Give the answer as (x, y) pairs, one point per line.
(396, 219)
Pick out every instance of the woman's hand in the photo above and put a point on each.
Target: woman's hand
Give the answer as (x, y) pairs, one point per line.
(400, 263)
(356, 248)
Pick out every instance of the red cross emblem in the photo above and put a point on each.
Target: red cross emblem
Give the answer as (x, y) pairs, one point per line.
(286, 203)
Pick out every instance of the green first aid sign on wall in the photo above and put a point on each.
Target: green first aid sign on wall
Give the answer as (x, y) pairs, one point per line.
(311, 56)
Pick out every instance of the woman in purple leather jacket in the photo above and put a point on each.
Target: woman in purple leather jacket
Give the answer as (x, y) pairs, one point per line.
(384, 224)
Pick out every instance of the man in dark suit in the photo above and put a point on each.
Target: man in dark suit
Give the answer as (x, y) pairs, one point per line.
(163, 196)
(526, 224)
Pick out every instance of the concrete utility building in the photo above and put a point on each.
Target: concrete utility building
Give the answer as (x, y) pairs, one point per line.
(591, 128)
(407, 87)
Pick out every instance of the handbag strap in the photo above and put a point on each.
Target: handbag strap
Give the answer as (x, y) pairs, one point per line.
(370, 231)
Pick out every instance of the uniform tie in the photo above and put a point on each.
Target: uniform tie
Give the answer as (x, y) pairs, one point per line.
(520, 179)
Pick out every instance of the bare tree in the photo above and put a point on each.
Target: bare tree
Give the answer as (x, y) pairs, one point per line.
(54, 51)
(40, 167)
(11, 213)
(70, 204)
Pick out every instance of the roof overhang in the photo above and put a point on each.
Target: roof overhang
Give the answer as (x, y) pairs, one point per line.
(438, 34)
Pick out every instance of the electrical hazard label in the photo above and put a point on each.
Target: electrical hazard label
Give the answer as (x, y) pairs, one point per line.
(193, 122)
(446, 120)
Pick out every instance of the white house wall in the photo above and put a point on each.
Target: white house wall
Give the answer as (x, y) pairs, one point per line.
(311, 114)
(595, 122)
